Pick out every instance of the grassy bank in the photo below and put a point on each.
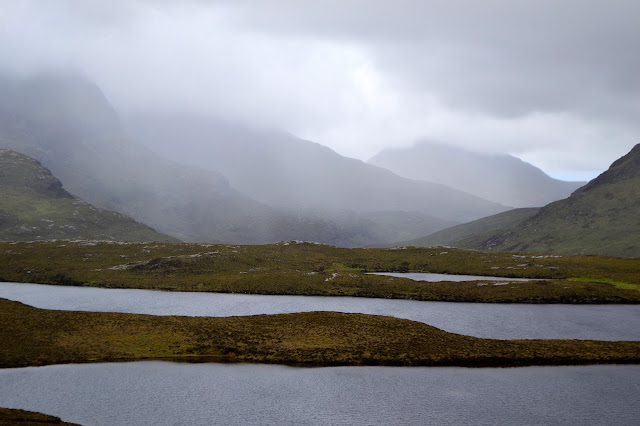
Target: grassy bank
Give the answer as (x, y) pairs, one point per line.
(34, 336)
(311, 269)
(25, 418)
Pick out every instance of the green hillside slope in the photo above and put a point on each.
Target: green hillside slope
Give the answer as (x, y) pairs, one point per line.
(603, 217)
(450, 236)
(34, 206)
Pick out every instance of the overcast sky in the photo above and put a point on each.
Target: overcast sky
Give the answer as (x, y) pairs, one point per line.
(556, 83)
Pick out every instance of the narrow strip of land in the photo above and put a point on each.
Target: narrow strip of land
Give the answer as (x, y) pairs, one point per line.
(32, 336)
(319, 270)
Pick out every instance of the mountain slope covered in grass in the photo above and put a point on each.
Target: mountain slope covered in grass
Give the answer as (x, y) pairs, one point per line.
(34, 206)
(602, 217)
(500, 178)
(450, 236)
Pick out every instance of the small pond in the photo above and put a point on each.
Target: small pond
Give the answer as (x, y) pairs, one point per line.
(434, 278)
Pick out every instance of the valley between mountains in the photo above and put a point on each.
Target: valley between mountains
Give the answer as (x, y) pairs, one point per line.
(319, 213)
(93, 198)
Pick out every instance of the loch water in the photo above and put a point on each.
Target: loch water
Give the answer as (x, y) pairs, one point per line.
(487, 320)
(435, 278)
(164, 393)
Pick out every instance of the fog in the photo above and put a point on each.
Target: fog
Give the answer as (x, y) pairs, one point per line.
(348, 123)
(554, 83)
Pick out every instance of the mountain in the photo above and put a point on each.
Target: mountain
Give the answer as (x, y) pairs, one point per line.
(602, 217)
(500, 178)
(451, 236)
(282, 170)
(65, 122)
(34, 206)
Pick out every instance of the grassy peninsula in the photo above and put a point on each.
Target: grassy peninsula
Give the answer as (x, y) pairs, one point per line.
(25, 418)
(315, 269)
(33, 336)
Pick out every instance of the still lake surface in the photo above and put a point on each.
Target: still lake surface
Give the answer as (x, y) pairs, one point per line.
(163, 393)
(498, 321)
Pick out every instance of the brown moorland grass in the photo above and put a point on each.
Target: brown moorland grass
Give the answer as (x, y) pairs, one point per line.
(29, 418)
(312, 269)
(32, 336)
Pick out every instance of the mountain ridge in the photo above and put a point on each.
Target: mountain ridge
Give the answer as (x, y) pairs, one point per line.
(67, 124)
(282, 170)
(623, 168)
(600, 218)
(500, 178)
(35, 206)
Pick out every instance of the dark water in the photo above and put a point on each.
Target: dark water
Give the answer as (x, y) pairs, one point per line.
(434, 278)
(499, 321)
(161, 393)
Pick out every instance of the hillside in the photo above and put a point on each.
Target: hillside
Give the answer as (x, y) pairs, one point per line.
(600, 218)
(34, 206)
(500, 178)
(66, 123)
(451, 236)
(282, 170)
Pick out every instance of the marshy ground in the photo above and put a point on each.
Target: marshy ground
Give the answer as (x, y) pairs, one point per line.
(33, 336)
(313, 269)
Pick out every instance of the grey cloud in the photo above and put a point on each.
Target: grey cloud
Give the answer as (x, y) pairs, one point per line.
(486, 65)
(509, 58)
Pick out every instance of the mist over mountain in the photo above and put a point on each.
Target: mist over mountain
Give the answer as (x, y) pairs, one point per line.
(35, 206)
(599, 218)
(282, 170)
(64, 121)
(230, 183)
(501, 178)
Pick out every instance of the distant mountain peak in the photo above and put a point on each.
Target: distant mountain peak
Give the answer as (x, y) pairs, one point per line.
(500, 178)
(284, 171)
